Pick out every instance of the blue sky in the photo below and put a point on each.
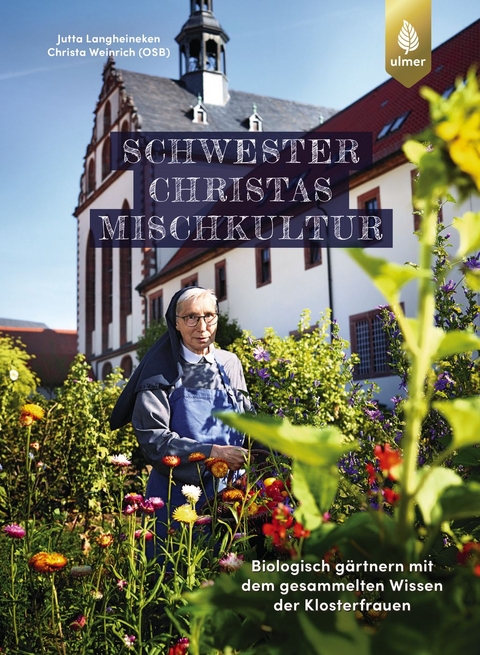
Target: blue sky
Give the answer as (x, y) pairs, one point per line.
(325, 53)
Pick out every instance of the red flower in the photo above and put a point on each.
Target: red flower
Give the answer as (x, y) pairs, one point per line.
(372, 474)
(391, 496)
(180, 648)
(171, 460)
(299, 531)
(387, 457)
(470, 556)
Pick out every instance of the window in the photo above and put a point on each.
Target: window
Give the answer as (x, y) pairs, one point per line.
(126, 365)
(106, 158)
(107, 118)
(91, 176)
(191, 281)
(107, 295)
(156, 307)
(370, 201)
(369, 340)
(106, 370)
(312, 250)
(89, 295)
(221, 280)
(393, 126)
(263, 267)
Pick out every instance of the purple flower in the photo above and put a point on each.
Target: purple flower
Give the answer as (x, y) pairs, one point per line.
(263, 373)
(260, 354)
(444, 381)
(472, 263)
(449, 287)
(15, 531)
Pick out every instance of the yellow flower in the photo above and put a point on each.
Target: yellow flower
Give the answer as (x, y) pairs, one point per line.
(196, 457)
(30, 413)
(185, 514)
(105, 540)
(47, 562)
(231, 495)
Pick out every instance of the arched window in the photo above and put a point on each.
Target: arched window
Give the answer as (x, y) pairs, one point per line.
(106, 370)
(194, 58)
(107, 118)
(125, 290)
(127, 365)
(212, 55)
(89, 295)
(91, 176)
(107, 295)
(106, 158)
(125, 127)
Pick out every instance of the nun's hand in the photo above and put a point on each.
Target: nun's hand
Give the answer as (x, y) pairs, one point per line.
(233, 455)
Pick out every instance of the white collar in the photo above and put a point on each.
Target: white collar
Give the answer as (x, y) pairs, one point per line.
(192, 358)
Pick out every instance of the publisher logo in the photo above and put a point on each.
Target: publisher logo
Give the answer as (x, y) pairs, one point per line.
(408, 40)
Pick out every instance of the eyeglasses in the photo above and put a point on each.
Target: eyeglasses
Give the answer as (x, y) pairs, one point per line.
(191, 320)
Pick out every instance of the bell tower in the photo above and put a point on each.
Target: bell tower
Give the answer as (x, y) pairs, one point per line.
(202, 54)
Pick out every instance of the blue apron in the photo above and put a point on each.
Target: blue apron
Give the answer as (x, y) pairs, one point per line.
(191, 417)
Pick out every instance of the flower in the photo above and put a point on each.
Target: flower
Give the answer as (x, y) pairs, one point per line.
(120, 460)
(185, 514)
(147, 507)
(121, 584)
(232, 495)
(218, 467)
(372, 474)
(146, 534)
(134, 499)
(78, 623)
(80, 571)
(300, 532)
(470, 556)
(192, 493)
(203, 520)
(47, 562)
(156, 502)
(15, 531)
(387, 457)
(171, 460)
(13, 375)
(231, 562)
(260, 354)
(129, 640)
(391, 496)
(96, 594)
(105, 540)
(196, 457)
(444, 381)
(30, 413)
(180, 647)
(35, 445)
(263, 373)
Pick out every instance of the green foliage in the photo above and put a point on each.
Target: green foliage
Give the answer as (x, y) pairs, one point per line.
(305, 377)
(153, 332)
(17, 381)
(228, 330)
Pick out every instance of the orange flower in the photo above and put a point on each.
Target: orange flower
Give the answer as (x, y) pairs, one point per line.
(30, 413)
(47, 562)
(171, 460)
(231, 495)
(218, 467)
(196, 457)
(105, 540)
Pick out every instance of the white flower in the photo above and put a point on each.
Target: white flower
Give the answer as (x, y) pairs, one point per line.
(191, 492)
(120, 460)
(13, 375)
(129, 640)
(231, 562)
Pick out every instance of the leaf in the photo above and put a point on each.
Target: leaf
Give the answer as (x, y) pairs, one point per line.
(463, 414)
(468, 228)
(428, 498)
(407, 37)
(348, 638)
(460, 502)
(314, 492)
(414, 150)
(472, 278)
(467, 457)
(387, 276)
(455, 342)
(307, 444)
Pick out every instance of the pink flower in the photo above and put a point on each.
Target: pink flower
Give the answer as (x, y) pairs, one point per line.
(156, 502)
(146, 534)
(231, 562)
(121, 584)
(15, 531)
(129, 640)
(148, 507)
(78, 623)
(203, 520)
(134, 499)
(129, 510)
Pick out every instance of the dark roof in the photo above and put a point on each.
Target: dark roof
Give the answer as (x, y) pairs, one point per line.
(391, 100)
(54, 351)
(165, 105)
(14, 322)
(383, 106)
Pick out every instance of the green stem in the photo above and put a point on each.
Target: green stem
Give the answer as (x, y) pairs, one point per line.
(13, 593)
(56, 619)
